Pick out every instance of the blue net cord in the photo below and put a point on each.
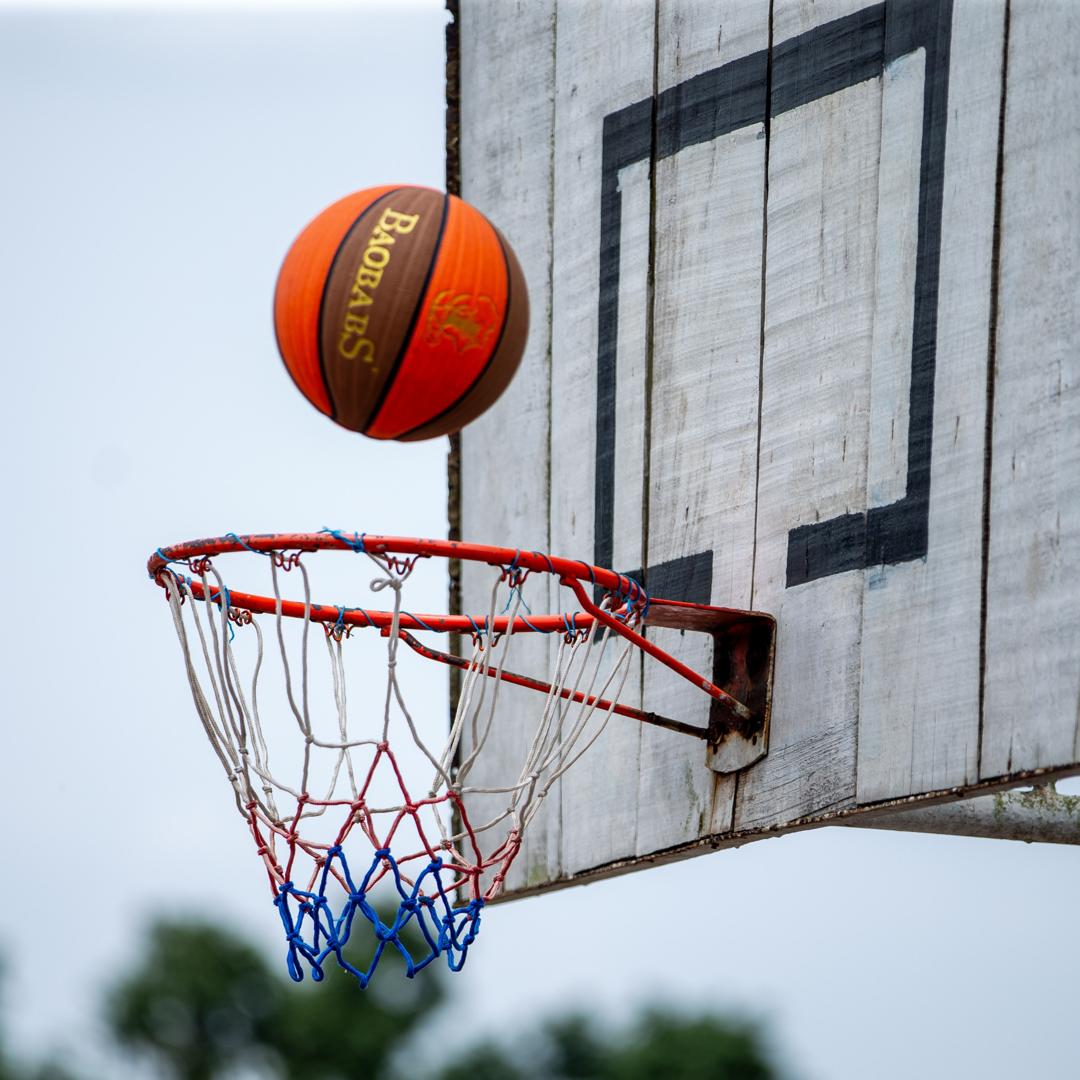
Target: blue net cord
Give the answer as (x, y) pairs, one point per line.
(315, 933)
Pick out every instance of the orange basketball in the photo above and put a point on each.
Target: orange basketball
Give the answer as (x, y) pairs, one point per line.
(401, 312)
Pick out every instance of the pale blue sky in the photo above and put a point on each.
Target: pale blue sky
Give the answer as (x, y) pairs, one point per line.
(156, 167)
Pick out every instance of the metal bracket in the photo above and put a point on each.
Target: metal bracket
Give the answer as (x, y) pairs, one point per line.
(744, 656)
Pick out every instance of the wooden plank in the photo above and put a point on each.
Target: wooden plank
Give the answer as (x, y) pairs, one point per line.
(599, 810)
(791, 17)
(819, 307)
(704, 422)
(1032, 704)
(919, 724)
(506, 148)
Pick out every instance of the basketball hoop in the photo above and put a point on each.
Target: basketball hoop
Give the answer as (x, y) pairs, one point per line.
(436, 860)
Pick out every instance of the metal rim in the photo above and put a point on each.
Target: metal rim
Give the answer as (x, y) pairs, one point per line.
(515, 564)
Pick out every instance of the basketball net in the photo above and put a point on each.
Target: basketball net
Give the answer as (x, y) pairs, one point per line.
(348, 845)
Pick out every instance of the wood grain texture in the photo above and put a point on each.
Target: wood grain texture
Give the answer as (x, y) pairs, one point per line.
(771, 251)
(599, 808)
(1033, 618)
(704, 424)
(919, 722)
(819, 308)
(506, 149)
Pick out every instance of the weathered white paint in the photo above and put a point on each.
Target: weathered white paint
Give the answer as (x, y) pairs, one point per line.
(1033, 608)
(894, 288)
(819, 320)
(599, 811)
(919, 700)
(506, 150)
(706, 348)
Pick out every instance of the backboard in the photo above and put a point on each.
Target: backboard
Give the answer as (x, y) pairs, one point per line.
(804, 283)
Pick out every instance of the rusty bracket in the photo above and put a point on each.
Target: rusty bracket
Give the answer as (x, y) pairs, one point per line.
(744, 647)
(744, 655)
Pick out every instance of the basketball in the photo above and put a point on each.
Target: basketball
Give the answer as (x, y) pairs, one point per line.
(401, 312)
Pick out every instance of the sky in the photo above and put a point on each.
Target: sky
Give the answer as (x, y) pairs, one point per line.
(159, 160)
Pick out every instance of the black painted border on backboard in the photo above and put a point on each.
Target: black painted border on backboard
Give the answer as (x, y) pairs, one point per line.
(823, 61)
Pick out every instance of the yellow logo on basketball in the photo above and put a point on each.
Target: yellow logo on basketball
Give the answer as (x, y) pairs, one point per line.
(469, 322)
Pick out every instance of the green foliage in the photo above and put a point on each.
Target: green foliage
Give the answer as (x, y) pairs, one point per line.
(200, 1000)
(201, 1003)
(571, 1048)
(658, 1046)
(673, 1047)
(482, 1061)
(6, 1070)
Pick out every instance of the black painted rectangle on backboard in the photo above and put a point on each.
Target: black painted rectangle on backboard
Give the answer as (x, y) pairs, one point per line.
(752, 90)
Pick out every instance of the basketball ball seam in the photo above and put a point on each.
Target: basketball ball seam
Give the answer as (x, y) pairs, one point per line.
(326, 288)
(507, 307)
(406, 341)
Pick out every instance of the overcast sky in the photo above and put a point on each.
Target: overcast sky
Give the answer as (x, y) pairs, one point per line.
(156, 167)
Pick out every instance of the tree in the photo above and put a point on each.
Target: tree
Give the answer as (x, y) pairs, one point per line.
(481, 1061)
(7, 1071)
(202, 1002)
(657, 1046)
(669, 1046)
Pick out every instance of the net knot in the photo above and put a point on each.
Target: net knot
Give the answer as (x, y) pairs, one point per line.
(285, 560)
(354, 543)
(512, 573)
(338, 629)
(168, 581)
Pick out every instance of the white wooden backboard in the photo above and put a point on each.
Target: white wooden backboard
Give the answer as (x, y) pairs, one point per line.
(805, 286)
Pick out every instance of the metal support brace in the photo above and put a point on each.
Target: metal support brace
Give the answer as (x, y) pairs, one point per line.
(1035, 815)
